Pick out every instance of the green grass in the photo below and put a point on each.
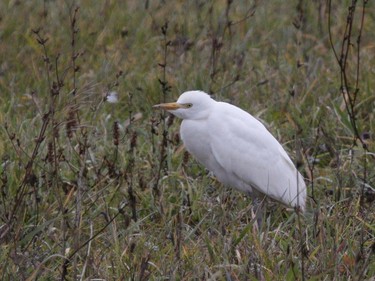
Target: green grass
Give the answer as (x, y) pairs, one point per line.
(82, 198)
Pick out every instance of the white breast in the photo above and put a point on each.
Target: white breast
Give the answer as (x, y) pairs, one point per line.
(196, 139)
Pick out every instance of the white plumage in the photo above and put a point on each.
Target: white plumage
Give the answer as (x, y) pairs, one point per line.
(237, 148)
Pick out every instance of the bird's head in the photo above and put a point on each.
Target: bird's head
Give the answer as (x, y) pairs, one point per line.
(190, 105)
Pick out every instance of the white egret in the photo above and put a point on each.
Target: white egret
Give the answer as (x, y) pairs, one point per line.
(237, 148)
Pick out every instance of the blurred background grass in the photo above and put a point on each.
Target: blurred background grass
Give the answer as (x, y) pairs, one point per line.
(94, 190)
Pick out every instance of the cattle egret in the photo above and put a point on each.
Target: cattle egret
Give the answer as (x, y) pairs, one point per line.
(237, 148)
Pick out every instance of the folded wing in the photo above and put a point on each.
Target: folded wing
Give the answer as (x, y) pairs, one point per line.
(253, 158)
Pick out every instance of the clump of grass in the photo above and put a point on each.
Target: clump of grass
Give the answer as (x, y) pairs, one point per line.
(95, 185)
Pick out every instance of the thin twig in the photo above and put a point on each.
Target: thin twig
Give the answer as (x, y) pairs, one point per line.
(165, 90)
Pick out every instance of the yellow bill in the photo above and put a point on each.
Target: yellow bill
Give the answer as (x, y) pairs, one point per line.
(168, 106)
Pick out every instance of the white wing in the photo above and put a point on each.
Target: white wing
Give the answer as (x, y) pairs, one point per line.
(251, 157)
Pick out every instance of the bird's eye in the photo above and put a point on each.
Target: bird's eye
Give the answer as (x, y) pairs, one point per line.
(188, 105)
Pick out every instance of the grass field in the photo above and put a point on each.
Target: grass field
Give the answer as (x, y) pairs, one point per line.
(94, 188)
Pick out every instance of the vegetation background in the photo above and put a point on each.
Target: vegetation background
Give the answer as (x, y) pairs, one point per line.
(95, 185)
